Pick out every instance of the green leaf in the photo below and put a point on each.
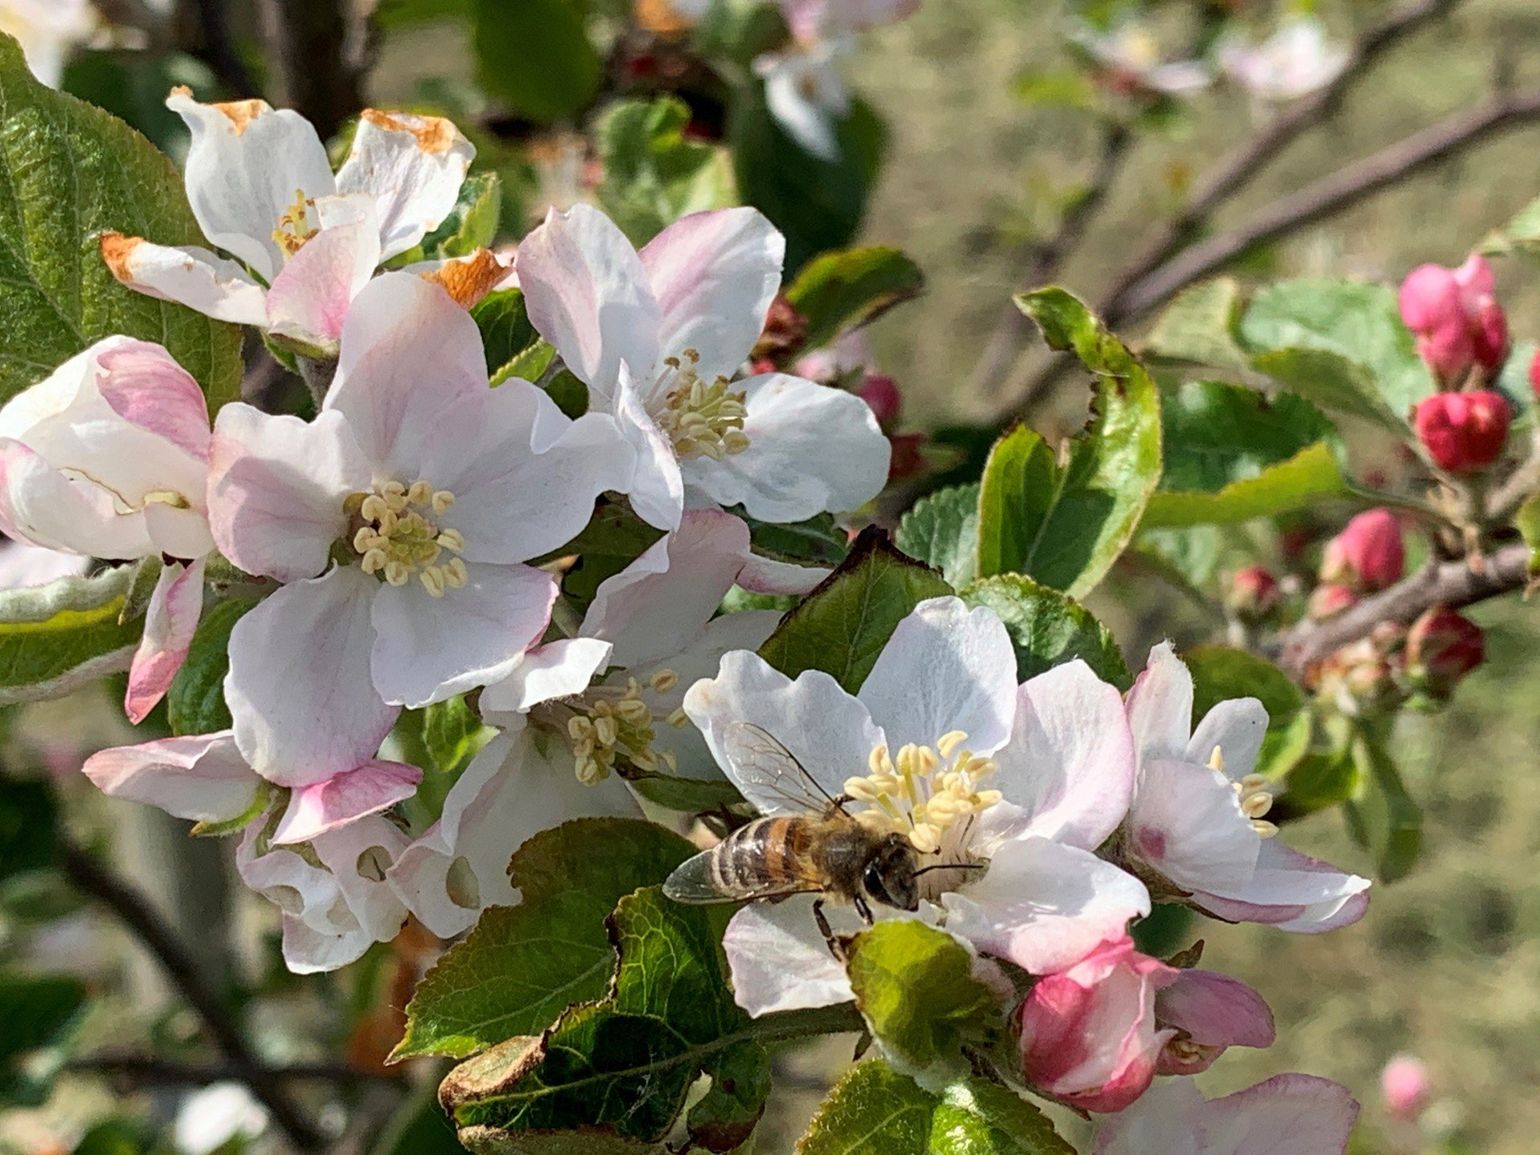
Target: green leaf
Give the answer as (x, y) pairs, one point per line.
(28, 827)
(1220, 673)
(58, 637)
(976, 1117)
(872, 1109)
(614, 539)
(942, 530)
(535, 56)
(1333, 382)
(915, 988)
(1309, 477)
(418, 1127)
(1199, 327)
(1319, 780)
(843, 624)
(1047, 628)
(195, 703)
(522, 965)
(38, 1012)
(1384, 817)
(653, 173)
(1360, 323)
(844, 290)
(472, 223)
(72, 171)
(686, 795)
(818, 540)
(453, 733)
(1521, 234)
(727, 1114)
(1064, 525)
(506, 332)
(1187, 557)
(1527, 521)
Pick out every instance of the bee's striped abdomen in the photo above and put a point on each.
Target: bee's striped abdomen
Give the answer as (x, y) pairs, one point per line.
(762, 854)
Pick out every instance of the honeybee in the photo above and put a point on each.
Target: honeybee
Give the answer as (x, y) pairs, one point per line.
(822, 850)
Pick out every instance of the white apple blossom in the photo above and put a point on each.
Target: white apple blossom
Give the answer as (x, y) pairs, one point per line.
(1286, 1115)
(108, 457)
(1294, 61)
(658, 336)
(23, 565)
(48, 31)
(401, 520)
(305, 241)
(1130, 55)
(1197, 822)
(216, 1115)
(941, 745)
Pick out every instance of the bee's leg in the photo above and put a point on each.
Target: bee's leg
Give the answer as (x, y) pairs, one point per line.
(864, 910)
(828, 931)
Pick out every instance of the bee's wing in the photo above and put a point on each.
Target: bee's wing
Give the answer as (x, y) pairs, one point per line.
(759, 760)
(693, 882)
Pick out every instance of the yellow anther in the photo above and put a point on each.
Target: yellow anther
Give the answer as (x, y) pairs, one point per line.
(663, 681)
(1264, 828)
(678, 718)
(397, 539)
(1256, 805)
(947, 744)
(455, 574)
(1216, 760)
(701, 419)
(1253, 782)
(442, 500)
(374, 508)
(293, 226)
(451, 539)
(419, 493)
(397, 573)
(374, 560)
(433, 581)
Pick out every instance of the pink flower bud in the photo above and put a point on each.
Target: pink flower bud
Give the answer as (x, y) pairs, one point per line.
(1088, 1034)
(1253, 594)
(1456, 317)
(784, 332)
(1534, 374)
(1406, 1086)
(881, 392)
(1463, 432)
(1441, 648)
(1368, 554)
(908, 458)
(1330, 599)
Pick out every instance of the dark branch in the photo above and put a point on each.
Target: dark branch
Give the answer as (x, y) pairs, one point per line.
(100, 882)
(1451, 583)
(153, 1071)
(316, 52)
(205, 31)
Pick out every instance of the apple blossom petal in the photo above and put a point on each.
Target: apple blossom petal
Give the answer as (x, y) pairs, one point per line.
(188, 275)
(23, 565)
(245, 166)
(656, 487)
(310, 299)
(201, 778)
(672, 590)
(144, 385)
(428, 649)
(1070, 760)
(325, 806)
(806, 95)
(1216, 1010)
(508, 794)
(827, 730)
(588, 294)
(779, 960)
(1235, 728)
(1186, 822)
(714, 275)
(299, 688)
(276, 488)
(1286, 1115)
(169, 624)
(413, 167)
(38, 504)
(946, 667)
(1045, 906)
(1160, 706)
(408, 354)
(557, 669)
(1288, 890)
(359, 855)
(765, 575)
(811, 449)
(177, 533)
(1165, 1120)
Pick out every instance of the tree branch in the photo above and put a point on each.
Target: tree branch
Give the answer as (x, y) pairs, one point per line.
(154, 1071)
(1450, 583)
(317, 59)
(100, 882)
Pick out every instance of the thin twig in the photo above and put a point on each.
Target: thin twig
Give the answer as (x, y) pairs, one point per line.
(154, 1071)
(1451, 583)
(133, 909)
(207, 32)
(316, 58)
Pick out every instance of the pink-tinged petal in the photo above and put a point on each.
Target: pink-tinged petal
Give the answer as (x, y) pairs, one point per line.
(201, 778)
(299, 688)
(428, 649)
(1216, 1010)
(359, 856)
(169, 625)
(142, 384)
(1165, 1120)
(557, 669)
(509, 793)
(1070, 761)
(588, 294)
(1235, 728)
(814, 20)
(827, 730)
(343, 798)
(764, 575)
(1286, 1115)
(408, 354)
(1288, 890)
(779, 959)
(310, 298)
(656, 487)
(1160, 706)
(176, 532)
(525, 477)
(666, 596)
(714, 275)
(23, 565)
(412, 166)
(1045, 906)
(188, 275)
(946, 667)
(276, 489)
(246, 165)
(38, 504)
(806, 94)
(811, 449)
(1186, 822)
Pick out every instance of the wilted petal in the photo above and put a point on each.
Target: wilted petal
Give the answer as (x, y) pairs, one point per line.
(343, 798)
(413, 167)
(169, 625)
(203, 281)
(779, 959)
(310, 298)
(299, 688)
(811, 449)
(201, 778)
(1160, 706)
(557, 669)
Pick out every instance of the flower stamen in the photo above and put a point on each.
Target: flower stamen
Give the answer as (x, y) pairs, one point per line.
(928, 793)
(293, 226)
(398, 541)
(701, 419)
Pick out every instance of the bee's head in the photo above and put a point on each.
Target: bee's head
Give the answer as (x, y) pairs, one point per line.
(889, 874)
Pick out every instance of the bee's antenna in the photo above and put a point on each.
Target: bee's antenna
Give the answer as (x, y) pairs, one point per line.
(951, 866)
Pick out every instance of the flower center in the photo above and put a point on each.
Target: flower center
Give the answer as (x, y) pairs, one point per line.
(610, 724)
(399, 539)
(293, 226)
(929, 793)
(1255, 795)
(701, 419)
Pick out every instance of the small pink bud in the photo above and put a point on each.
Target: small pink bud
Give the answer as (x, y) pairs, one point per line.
(908, 458)
(1463, 432)
(1534, 374)
(1368, 554)
(784, 332)
(880, 392)
(1406, 1086)
(1441, 648)
(1253, 594)
(1330, 599)
(1456, 317)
